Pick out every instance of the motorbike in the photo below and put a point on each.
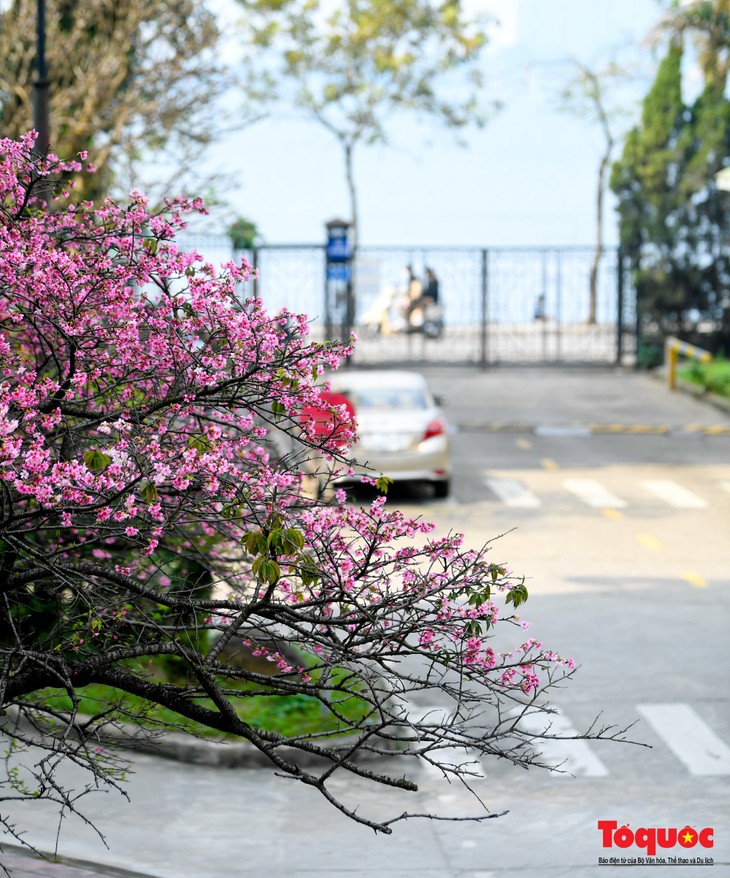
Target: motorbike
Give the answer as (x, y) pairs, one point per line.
(389, 314)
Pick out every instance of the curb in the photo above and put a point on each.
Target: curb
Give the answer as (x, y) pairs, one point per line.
(704, 395)
(582, 430)
(181, 747)
(688, 388)
(221, 754)
(46, 865)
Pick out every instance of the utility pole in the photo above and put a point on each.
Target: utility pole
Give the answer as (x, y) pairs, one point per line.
(41, 86)
(41, 92)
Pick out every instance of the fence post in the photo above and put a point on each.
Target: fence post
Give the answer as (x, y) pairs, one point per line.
(558, 306)
(255, 263)
(620, 305)
(327, 296)
(484, 352)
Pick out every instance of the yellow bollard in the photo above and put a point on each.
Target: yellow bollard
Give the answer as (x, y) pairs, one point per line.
(672, 367)
(673, 347)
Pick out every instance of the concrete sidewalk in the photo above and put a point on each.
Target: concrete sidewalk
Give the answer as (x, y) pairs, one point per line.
(22, 863)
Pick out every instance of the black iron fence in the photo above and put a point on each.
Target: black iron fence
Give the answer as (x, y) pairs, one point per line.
(500, 304)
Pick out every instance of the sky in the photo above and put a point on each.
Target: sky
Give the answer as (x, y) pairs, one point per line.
(528, 178)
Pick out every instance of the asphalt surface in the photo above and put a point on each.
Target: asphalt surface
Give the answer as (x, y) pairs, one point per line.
(639, 593)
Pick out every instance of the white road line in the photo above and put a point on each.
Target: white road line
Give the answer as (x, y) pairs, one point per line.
(512, 493)
(690, 739)
(574, 758)
(594, 494)
(673, 494)
(562, 432)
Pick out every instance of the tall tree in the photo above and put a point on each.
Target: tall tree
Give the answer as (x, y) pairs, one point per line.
(587, 94)
(707, 23)
(355, 65)
(125, 78)
(672, 221)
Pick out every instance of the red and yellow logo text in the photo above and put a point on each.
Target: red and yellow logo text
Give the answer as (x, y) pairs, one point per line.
(652, 838)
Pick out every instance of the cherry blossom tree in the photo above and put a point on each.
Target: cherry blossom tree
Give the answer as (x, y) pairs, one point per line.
(146, 522)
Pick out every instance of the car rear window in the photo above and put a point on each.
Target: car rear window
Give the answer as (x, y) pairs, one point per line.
(387, 398)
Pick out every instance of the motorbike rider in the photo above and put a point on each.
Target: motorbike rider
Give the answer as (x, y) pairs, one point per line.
(425, 295)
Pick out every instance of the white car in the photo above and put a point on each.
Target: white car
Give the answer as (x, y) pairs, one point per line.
(401, 432)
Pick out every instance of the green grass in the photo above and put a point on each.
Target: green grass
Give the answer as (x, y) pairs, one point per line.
(287, 715)
(714, 377)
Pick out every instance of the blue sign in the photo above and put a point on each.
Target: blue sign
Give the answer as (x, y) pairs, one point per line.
(338, 250)
(338, 271)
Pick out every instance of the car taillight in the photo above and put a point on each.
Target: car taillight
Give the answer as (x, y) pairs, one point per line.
(435, 428)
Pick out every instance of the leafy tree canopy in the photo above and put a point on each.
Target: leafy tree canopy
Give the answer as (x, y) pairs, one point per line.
(126, 79)
(356, 64)
(673, 219)
(244, 234)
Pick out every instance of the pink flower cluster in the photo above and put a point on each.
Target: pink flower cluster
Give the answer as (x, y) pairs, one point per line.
(137, 388)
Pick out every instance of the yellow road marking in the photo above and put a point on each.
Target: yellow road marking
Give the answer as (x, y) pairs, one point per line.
(648, 428)
(630, 428)
(525, 444)
(613, 514)
(694, 579)
(717, 430)
(549, 463)
(649, 542)
(607, 428)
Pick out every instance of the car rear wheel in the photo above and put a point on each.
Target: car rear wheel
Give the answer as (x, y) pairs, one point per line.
(441, 489)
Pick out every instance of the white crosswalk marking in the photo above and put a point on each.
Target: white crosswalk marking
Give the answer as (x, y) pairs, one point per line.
(690, 739)
(512, 493)
(594, 494)
(673, 494)
(574, 758)
(515, 493)
(697, 747)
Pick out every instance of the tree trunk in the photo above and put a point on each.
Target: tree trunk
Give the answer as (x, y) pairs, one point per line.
(352, 190)
(351, 288)
(598, 251)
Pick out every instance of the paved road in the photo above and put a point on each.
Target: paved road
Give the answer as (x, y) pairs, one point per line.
(624, 539)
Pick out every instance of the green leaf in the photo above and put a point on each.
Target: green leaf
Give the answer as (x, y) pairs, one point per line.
(294, 537)
(266, 570)
(309, 572)
(149, 493)
(517, 595)
(199, 444)
(274, 540)
(231, 512)
(96, 461)
(383, 483)
(254, 542)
